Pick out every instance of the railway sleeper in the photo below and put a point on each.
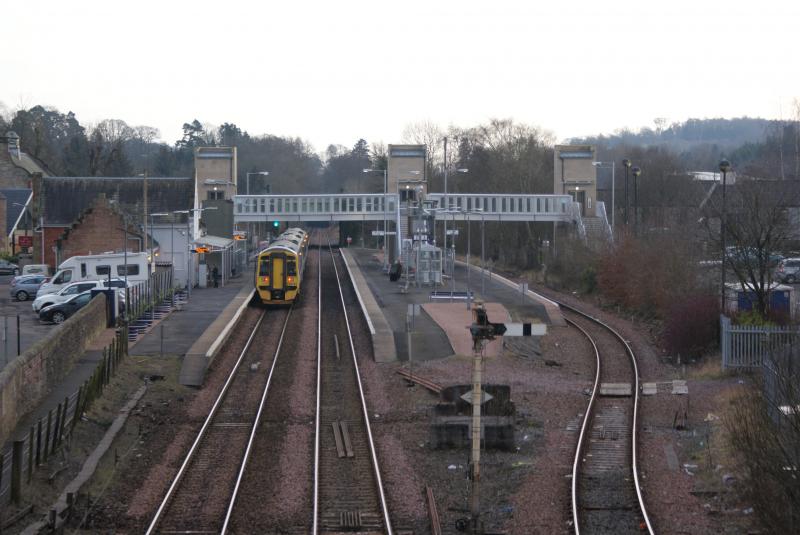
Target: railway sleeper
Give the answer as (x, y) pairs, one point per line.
(341, 435)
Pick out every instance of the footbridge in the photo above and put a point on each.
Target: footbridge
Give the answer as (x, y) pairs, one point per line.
(377, 207)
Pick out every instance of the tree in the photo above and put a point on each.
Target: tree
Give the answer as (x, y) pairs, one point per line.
(193, 136)
(756, 227)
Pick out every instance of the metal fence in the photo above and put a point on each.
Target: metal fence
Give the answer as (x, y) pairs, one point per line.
(747, 346)
(22, 457)
(145, 296)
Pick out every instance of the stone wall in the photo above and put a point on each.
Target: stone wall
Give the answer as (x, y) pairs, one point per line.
(29, 378)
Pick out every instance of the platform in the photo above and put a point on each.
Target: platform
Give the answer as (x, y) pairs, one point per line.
(429, 341)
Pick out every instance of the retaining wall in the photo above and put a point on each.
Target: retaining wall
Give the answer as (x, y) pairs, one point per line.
(29, 378)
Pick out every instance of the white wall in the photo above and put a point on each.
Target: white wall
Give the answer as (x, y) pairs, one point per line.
(164, 236)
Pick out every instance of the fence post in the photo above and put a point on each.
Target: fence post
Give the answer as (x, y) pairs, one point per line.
(38, 442)
(64, 420)
(16, 471)
(30, 455)
(78, 401)
(55, 429)
(47, 435)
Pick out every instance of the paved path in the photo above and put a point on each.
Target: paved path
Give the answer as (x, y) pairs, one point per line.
(429, 341)
(179, 331)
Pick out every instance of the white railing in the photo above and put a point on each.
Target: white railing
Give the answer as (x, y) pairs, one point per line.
(338, 207)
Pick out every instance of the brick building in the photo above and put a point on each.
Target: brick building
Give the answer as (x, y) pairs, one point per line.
(59, 202)
(101, 228)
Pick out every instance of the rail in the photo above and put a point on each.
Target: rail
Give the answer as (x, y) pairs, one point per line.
(634, 424)
(365, 413)
(201, 434)
(253, 431)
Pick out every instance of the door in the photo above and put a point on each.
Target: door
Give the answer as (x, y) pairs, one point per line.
(277, 263)
(580, 198)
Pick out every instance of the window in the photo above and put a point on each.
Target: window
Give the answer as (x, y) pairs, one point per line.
(263, 267)
(102, 270)
(83, 270)
(83, 299)
(72, 290)
(65, 277)
(291, 267)
(132, 269)
(84, 287)
(216, 195)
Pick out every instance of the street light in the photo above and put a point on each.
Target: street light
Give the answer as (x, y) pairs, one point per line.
(605, 164)
(447, 205)
(262, 173)
(636, 172)
(724, 166)
(385, 187)
(627, 164)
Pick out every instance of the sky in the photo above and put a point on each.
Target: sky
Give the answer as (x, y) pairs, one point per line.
(333, 72)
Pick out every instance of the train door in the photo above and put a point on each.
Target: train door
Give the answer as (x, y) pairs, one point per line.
(277, 264)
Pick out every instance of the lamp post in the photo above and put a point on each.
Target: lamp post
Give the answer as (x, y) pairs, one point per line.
(724, 166)
(447, 205)
(385, 187)
(636, 172)
(627, 164)
(247, 183)
(605, 164)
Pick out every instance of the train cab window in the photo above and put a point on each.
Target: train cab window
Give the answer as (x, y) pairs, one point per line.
(263, 267)
(291, 267)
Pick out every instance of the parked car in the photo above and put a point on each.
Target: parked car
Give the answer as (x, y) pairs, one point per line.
(69, 290)
(24, 287)
(7, 268)
(60, 312)
(788, 270)
(36, 269)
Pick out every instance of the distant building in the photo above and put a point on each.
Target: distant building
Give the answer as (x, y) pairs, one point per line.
(575, 175)
(16, 167)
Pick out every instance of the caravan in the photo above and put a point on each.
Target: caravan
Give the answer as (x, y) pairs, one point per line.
(96, 267)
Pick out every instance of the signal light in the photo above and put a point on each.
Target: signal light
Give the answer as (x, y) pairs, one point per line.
(276, 224)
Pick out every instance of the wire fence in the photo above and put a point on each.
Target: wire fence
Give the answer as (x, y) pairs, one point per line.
(23, 457)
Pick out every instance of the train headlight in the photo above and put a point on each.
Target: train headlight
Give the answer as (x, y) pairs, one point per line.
(266, 280)
(290, 279)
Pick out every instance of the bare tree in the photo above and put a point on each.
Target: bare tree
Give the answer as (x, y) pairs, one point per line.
(757, 226)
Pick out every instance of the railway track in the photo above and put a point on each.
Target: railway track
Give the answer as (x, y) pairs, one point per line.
(606, 493)
(348, 489)
(200, 496)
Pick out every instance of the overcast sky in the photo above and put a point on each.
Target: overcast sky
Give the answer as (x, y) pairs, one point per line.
(334, 71)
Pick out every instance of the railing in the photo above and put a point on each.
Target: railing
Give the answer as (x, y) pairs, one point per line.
(747, 346)
(600, 210)
(342, 207)
(502, 207)
(143, 297)
(22, 457)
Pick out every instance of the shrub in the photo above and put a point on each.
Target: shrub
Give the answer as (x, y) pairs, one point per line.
(691, 325)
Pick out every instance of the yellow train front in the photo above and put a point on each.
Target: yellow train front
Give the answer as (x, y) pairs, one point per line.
(279, 271)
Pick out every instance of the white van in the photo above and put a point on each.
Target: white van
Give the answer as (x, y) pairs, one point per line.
(96, 267)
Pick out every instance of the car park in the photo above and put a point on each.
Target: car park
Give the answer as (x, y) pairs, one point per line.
(24, 287)
(7, 268)
(60, 312)
(68, 291)
(788, 271)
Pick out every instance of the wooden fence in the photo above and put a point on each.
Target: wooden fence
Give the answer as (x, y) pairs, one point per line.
(24, 456)
(746, 346)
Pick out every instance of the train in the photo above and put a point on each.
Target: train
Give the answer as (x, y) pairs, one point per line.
(279, 268)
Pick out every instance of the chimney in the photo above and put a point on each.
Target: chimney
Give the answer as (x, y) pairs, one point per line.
(13, 144)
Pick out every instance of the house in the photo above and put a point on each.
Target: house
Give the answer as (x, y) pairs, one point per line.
(59, 203)
(16, 167)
